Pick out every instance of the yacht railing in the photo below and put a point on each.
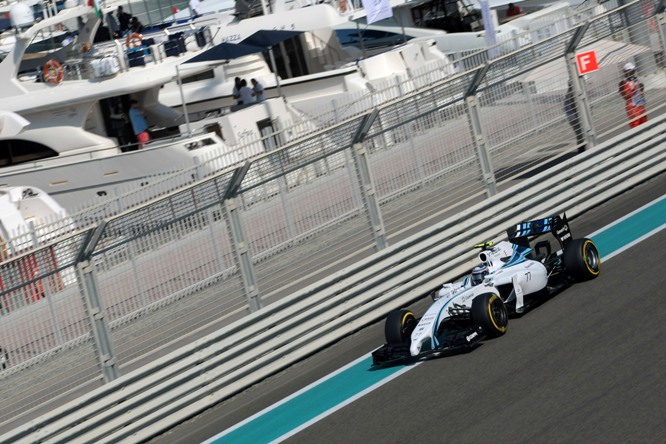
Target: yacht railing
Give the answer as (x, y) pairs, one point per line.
(106, 59)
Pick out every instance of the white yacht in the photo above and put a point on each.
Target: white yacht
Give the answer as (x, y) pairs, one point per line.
(338, 57)
(312, 68)
(465, 25)
(79, 145)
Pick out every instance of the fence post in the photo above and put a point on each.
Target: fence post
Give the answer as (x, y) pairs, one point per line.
(487, 172)
(478, 138)
(364, 176)
(581, 100)
(242, 253)
(85, 275)
(369, 194)
(98, 320)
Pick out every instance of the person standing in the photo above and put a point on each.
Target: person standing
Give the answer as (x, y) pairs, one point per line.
(236, 91)
(632, 91)
(114, 28)
(123, 20)
(136, 27)
(571, 111)
(245, 93)
(119, 125)
(257, 91)
(513, 10)
(194, 8)
(139, 125)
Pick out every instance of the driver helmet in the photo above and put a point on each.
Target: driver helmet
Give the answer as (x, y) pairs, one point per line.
(479, 273)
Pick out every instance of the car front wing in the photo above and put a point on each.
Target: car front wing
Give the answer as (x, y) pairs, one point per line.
(452, 343)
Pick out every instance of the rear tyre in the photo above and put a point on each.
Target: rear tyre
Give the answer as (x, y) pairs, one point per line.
(489, 313)
(581, 260)
(399, 327)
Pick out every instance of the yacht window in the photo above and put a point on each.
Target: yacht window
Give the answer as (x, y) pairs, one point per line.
(348, 36)
(269, 137)
(50, 41)
(14, 152)
(201, 76)
(371, 38)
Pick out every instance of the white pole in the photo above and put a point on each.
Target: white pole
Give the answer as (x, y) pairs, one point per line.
(489, 26)
(277, 78)
(182, 99)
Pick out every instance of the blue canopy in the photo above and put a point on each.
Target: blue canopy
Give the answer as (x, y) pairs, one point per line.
(5, 24)
(225, 51)
(268, 38)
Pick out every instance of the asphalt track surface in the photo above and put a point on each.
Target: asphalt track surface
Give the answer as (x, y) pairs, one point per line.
(586, 366)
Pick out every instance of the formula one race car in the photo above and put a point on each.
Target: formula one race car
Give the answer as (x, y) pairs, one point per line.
(511, 276)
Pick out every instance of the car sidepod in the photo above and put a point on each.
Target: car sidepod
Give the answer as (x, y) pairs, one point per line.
(445, 328)
(446, 325)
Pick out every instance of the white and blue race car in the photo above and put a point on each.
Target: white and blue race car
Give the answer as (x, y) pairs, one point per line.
(511, 276)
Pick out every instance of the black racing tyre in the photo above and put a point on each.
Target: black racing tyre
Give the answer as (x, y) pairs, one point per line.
(581, 259)
(399, 327)
(489, 313)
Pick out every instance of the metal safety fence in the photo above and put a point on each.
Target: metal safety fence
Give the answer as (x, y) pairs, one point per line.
(169, 390)
(142, 280)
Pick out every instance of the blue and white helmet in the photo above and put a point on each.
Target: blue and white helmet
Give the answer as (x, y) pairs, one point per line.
(479, 273)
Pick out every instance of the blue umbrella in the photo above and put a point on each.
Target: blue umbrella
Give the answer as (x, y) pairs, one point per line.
(269, 38)
(225, 51)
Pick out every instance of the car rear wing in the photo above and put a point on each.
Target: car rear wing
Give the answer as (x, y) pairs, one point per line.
(558, 225)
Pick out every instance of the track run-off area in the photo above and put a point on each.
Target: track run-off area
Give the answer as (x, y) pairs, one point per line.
(586, 366)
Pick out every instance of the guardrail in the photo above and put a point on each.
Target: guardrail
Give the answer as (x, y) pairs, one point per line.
(193, 378)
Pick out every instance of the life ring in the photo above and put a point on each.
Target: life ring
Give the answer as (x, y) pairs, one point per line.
(52, 72)
(134, 39)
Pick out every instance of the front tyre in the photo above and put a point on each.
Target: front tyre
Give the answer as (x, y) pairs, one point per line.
(581, 260)
(399, 327)
(489, 313)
